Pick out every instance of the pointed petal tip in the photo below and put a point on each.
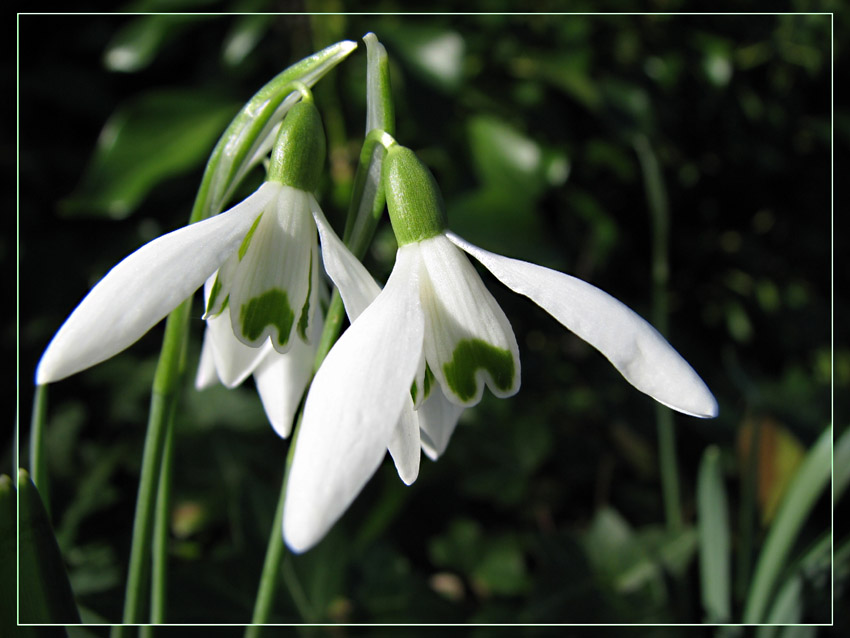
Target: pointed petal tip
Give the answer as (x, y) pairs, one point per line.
(701, 405)
(299, 535)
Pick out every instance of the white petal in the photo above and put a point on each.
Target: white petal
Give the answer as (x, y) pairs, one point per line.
(632, 345)
(468, 339)
(353, 406)
(437, 420)
(404, 444)
(206, 375)
(234, 361)
(281, 380)
(137, 293)
(356, 286)
(271, 282)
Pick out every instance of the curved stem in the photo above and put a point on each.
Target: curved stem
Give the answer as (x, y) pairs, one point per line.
(38, 464)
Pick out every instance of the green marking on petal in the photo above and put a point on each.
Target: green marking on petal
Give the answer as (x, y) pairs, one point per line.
(468, 357)
(428, 383)
(214, 295)
(269, 309)
(305, 310)
(245, 242)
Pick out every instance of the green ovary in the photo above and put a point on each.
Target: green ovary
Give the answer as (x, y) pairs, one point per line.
(468, 357)
(270, 308)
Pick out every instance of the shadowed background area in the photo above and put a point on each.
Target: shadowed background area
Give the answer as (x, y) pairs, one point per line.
(681, 163)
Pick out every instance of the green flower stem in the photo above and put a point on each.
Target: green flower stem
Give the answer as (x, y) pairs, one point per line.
(805, 488)
(163, 402)
(364, 211)
(234, 154)
(656, 196)
(274, 557)
(159, 582)
(357, 238)
(38, 464)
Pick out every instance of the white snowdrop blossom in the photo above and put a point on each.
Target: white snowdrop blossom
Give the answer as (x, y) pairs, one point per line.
(428, 344)
(260, 262)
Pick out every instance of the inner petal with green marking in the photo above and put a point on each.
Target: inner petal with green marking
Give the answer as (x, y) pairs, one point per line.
(469, 342)
(274, 273)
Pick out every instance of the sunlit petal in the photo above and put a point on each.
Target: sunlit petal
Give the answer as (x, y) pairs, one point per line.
(468, 339)
(206, 375)
(356, 286)
(271, 282)
(632, 345)
(137, 293)
(353, 406)
(437, 420)
(234, 361)
(404, 444)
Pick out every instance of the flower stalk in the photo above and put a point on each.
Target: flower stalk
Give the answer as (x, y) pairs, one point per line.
(656, 198)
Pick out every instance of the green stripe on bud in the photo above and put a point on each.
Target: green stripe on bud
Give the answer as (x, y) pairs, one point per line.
(414, 201)
(298, 156)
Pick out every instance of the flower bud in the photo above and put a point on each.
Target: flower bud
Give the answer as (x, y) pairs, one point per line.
(414, 201)
(298, 156)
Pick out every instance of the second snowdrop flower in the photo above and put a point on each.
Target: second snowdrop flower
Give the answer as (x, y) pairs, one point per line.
(436, 328)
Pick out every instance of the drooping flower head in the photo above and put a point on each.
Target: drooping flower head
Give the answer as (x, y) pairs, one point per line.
(436, 336)
(260, 259)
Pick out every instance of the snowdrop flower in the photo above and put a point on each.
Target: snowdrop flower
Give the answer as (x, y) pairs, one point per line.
(435, 331)
(263, 254)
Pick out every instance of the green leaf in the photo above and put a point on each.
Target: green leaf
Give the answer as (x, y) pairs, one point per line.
(243, 38)
(139, 41)
(433, 53)
(155, 136)
(45, 593)
(8, 551)
(805, 488)
(713, 517)
(507, 159)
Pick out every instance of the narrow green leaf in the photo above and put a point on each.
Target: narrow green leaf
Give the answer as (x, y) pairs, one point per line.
(841, 465)
(804, 490)
(713, 518)
(8, 551)
(45, 592)
(787, 608)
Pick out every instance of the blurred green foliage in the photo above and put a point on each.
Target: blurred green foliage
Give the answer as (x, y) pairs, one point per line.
(546, 507)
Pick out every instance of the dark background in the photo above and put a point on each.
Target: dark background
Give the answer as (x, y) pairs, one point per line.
(547, 506)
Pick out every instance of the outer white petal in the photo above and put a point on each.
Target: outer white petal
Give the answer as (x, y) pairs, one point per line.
(437, 420)
(144, 287)
(468, 339)
(206, 375)
(404, 444)
(274, 272)
(356, 286)
(632, 345)
(353, 406)
(234, 361)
